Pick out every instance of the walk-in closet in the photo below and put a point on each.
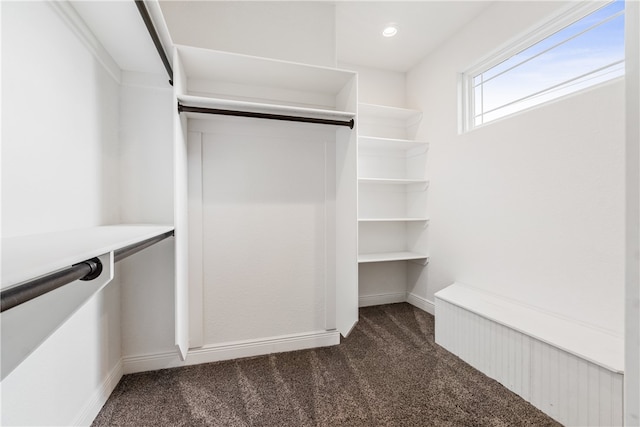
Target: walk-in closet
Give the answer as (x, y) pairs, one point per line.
(344, 212)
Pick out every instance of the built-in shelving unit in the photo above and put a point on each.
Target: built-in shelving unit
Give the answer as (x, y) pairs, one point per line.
(399, 117)
(214, 79)
(392, 200)
(282, 191)
(371, 142)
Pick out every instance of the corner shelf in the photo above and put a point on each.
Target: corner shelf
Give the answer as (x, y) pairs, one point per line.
(392, 256)
(392, 200)
(376, 143)
(405, 115)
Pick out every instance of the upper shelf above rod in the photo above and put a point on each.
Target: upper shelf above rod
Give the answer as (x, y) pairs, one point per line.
(203, 105)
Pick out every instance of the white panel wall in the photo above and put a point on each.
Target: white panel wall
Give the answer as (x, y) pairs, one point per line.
(294, 31)
(264, 224)
(530, 207)
(59, 171)
(566, 387)
(381, 283)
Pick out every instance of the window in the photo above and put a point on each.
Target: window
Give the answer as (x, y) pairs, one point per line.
(576, 55)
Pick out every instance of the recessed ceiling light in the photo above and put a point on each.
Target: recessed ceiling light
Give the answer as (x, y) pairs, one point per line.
(390, 30)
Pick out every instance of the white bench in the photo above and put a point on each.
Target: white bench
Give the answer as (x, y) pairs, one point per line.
(571, 371)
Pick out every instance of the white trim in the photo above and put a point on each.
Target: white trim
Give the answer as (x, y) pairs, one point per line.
(77, 25)
(562, 98)
(231, 350)
(421, 303)
(379, 299)
(195, 187)
(563, 18)
(596, 345)
(93, 406)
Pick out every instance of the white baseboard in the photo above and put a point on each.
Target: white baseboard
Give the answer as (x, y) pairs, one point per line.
(99, 397)
(231, 350)
(421, 303)
(379, 299)
(392, 298)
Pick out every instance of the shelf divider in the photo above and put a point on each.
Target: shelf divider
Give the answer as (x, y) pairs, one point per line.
(374, 142)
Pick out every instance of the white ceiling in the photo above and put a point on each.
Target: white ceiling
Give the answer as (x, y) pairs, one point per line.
(423, 25)
(121, 31)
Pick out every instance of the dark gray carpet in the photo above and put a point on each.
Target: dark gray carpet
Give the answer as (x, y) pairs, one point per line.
(388, 372)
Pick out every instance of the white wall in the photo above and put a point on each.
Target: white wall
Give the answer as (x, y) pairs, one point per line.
(59, 171)
(382, 87)
(264, 199)
(632, 295)
(530, 207)
(59, 127)
(146, 194)
(293, 31)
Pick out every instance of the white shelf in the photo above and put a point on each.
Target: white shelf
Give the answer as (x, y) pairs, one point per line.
(392, 181)
(391, 256)
(28, 257)
(393, 219)
(205, 64)
(259, 107)
(376, 143)
(385, 112)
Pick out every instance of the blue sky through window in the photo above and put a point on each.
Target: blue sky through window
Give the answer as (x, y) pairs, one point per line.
(589, 51)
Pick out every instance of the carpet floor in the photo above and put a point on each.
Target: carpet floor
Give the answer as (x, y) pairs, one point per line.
(388, 372)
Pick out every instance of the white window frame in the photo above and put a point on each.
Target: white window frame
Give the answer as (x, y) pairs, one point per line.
(562, 19)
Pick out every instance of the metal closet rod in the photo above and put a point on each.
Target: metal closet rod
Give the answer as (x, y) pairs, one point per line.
(188, 109)
(165, 60)
(86, 270)
(154, 36)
